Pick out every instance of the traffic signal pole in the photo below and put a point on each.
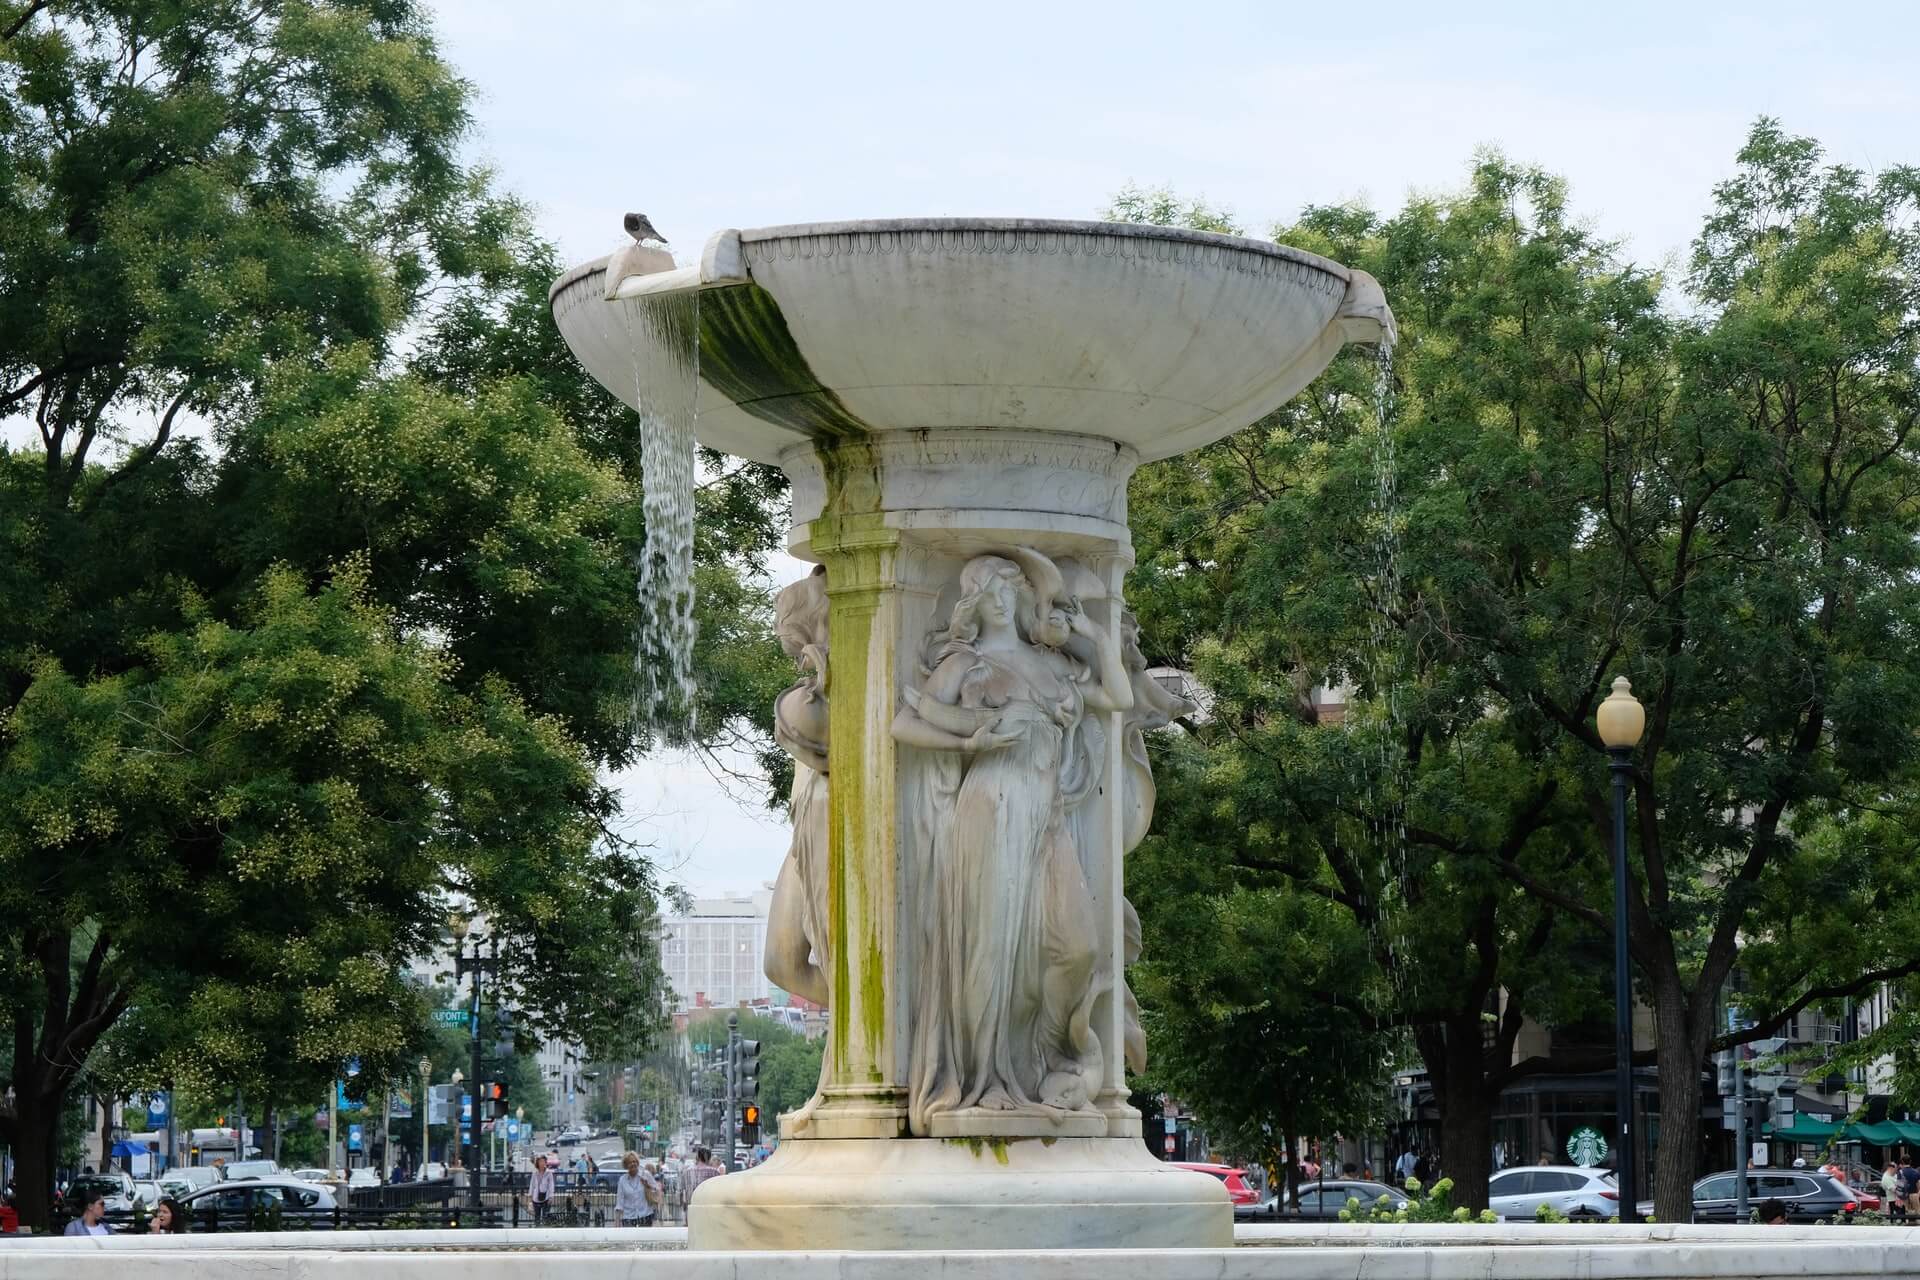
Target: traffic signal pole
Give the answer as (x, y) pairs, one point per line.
(727, 1126)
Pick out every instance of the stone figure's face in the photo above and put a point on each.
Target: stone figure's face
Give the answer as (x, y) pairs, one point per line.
(998, 602)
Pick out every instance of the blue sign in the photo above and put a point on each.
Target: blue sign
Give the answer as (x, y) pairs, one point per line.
(341, 1100)
(513, 1131)
(466, 1111)
(400, 1105)
(353, 1137)
(159, 1107)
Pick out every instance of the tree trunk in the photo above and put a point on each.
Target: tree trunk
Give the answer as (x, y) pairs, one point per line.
(1679, 1056)
(36, 1146)
(1466, 1117)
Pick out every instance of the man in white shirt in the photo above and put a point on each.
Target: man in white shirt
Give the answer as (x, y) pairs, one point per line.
(1404, 1165)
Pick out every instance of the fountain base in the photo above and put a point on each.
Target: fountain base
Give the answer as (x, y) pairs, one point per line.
(943, 1194)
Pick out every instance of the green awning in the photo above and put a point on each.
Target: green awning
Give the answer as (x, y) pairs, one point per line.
(1805, 1130)
(1885, 1134)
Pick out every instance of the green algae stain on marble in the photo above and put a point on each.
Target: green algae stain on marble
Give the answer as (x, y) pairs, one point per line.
(748, 354)
(1001, 1147)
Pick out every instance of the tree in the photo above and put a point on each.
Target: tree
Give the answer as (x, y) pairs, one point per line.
(317, 610)
(789, 1073)
(1715, 500)
(1268, 567)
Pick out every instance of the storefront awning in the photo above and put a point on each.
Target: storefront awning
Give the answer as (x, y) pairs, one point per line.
(1885, 1134)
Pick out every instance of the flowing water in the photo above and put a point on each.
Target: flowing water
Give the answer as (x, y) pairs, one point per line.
(668, 405)
(1387, 781)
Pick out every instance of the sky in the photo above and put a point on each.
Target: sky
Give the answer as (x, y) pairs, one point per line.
(707, 114)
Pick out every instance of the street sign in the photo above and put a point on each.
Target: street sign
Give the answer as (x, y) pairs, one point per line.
(453, 1017)
(1169, 1144)
(1587, 1147)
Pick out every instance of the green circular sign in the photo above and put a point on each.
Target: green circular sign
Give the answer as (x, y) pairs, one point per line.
(1587, 1147)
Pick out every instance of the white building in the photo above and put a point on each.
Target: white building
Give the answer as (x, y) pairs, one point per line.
(716, 954)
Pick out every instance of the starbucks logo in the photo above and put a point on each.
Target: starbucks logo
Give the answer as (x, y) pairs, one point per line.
(1587, 1147)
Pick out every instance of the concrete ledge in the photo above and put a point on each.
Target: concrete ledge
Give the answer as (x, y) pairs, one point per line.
(1275, 1252)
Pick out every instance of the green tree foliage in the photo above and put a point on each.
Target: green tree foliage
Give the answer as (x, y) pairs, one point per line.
(316, 601)
(789, 1073)
(1713, 498)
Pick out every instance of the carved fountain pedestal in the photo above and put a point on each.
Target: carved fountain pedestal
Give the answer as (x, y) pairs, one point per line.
(959, 405)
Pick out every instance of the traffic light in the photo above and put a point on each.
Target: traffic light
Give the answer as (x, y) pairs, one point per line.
(744, 1070)
(493, 1099)
(503, 1033)
(750, 1124)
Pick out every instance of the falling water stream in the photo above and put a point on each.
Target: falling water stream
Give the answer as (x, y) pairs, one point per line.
(664, 336)
(1387, 782)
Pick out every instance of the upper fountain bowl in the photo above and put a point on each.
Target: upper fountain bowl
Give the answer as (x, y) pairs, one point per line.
(1159, 338)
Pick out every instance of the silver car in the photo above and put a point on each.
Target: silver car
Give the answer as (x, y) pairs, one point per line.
(1585, 1195)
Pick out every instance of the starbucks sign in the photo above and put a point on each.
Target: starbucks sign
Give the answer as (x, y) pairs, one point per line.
(1587, 1147)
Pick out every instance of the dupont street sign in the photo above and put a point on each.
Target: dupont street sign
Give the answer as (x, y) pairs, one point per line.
(453, 1017)
(1587, 1147)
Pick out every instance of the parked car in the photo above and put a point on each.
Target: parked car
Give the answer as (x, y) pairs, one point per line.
(363, 1177)
(187, 1179)
(147, 1192)
(232, 1205)
(1319, 1201)
(242, 1170)
(1246, 1200)
(1584, 1195)
(432, 1170)
(1807, 1193)
(311, 1175)
(117, 1188)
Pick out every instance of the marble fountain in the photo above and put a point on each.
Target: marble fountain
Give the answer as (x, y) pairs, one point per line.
(958, 404)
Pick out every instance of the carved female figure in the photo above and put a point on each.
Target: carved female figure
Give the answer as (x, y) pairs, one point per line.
(1004, 982)
(797, 943)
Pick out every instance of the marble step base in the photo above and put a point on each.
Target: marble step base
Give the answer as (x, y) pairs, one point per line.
(961, 1193)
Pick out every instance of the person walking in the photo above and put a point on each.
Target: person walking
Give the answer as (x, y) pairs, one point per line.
(1890, 1191)
(1403, 1167)
(92, 1206)
(1910, 1186)
(703, 1167)
(633, 1194)
(540, 1190)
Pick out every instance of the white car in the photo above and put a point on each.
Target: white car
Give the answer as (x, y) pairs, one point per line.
(1585, 1195)
(432, 1170)
(363, 1177)
(312, 1175)
(187, 1179)
(243, 1170)
(147, 1193)
(115, 1188)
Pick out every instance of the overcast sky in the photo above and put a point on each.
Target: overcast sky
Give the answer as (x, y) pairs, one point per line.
(707, 114)
(711, 115)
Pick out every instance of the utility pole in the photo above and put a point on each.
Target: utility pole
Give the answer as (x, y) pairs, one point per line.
(1742, 1147)
(476, 966)
(727, 1126)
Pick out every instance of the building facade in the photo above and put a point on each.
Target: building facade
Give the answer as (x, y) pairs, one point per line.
(715, 955)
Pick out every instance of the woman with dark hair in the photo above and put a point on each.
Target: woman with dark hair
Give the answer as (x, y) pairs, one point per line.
(168, 1219)
(91, 1205)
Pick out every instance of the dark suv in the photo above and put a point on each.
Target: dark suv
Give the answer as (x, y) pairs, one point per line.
(1807, 1193)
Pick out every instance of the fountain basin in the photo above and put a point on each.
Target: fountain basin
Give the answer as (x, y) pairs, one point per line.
(1157, 338)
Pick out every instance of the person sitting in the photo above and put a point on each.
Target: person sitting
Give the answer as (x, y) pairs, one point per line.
(92, 1206)
(1773, 1213)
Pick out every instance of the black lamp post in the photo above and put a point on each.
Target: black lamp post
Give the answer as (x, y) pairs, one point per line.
(477, 966)
(1621, 720)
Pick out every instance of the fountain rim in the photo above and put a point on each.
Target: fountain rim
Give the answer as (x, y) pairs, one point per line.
(1055, 226)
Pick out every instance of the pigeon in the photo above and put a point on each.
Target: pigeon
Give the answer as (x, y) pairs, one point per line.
(641, 230)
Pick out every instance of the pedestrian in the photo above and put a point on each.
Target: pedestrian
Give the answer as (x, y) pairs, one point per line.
(168, 1219)
(1890, 1191)
(1910, 1186)
(1773, 1213)
(703, 1167)
(633, 1194)
(656, 1190)
(1403, 1167)
(540, 1190)
(92, 1206)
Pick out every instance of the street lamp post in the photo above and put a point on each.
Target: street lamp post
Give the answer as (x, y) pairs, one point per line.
(425, 1104)
(1621, 720)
